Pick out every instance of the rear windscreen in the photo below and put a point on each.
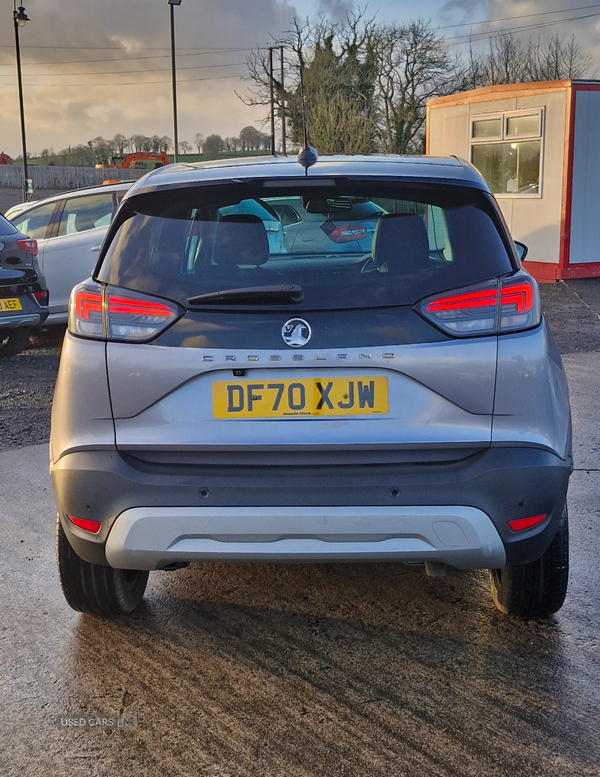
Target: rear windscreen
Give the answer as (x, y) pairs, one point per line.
(6, 228)
(346, 244)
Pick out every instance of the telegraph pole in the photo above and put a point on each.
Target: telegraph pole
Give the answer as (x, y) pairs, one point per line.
(283, 148)
(20, 18)
(174, 77)
(272, 101)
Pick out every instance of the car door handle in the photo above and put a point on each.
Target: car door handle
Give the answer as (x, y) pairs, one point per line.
(95, 248)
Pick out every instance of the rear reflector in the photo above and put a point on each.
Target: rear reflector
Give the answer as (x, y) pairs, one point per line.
(499, 306)
(118, 314)
(41, 296)
(28, 246)
(519, 524)
(83, 523)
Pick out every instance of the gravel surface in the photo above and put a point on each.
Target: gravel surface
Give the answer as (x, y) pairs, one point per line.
(26, 388)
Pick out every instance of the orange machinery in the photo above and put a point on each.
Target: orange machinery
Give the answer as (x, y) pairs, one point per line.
(136, 159)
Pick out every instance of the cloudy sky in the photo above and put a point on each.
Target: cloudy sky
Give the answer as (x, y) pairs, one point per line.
(98, 67)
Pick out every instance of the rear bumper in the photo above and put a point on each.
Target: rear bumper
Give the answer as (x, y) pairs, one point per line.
(31, 313)
(152, 538)
(174, 502)
(15, 320)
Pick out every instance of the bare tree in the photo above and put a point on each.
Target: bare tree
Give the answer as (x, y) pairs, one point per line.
(506, 61)
(198, 141)
(136, 142)
(413, 65)
(233, 144)
(333, 63)
(250, 138)
(185, 147)
(213, 146)
(510, 61)
(337, 124)
(120, 144)
(556, 60)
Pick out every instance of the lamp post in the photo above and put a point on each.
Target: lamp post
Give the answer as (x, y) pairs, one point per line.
(175, 140)
(20, 18)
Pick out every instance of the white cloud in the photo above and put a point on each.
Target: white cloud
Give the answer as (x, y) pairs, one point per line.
(57, 116)
(60, 33)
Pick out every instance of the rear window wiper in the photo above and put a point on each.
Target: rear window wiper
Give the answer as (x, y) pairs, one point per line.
(264, 294)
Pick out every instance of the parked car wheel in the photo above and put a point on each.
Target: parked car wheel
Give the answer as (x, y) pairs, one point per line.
(13, 341)
(93, 588)
(538, 588)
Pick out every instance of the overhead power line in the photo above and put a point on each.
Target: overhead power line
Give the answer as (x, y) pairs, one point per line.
(208, 50)
(133, 83)
(128, 59)
(117, 73)
(518, 16)
(462, 39)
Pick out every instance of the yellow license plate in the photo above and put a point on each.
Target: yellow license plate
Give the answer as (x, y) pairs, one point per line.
(300, 398)
(7, 305)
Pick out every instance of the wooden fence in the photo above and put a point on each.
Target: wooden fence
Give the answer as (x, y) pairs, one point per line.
(11, 176)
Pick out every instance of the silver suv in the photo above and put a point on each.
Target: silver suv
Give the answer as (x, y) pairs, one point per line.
(402, 401)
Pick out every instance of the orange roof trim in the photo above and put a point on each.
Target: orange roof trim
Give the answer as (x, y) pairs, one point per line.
(501, 91)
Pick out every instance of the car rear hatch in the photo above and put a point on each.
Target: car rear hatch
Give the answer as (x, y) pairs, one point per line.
(18, 272)
(221, 351)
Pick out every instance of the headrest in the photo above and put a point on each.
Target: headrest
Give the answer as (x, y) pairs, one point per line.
(85, 220)
(401, 243)
(241, 238)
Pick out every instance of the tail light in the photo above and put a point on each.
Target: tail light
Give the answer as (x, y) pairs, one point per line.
(347, 233)
(42, 297)
(500, 306)
(29, 246)
(118, 314)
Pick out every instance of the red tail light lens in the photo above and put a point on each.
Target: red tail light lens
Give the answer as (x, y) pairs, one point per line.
(28, 246)
(118, 314)
(85, 524)
(520, 306)
(520, 524)
(86, 311)
(496, 307)
(347, 233)
(42, 297)
(137, 317)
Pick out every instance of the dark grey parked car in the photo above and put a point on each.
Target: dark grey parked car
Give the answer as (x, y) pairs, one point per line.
(23, 296)
(403, 401)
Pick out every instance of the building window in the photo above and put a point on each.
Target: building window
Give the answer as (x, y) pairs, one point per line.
(507, 150)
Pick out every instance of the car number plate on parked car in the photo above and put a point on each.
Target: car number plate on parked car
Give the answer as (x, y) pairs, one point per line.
(7, 305)
(302, 397)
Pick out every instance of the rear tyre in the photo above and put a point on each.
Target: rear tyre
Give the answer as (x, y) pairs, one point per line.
(94, 588)
(536, 589)
(13, 341)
